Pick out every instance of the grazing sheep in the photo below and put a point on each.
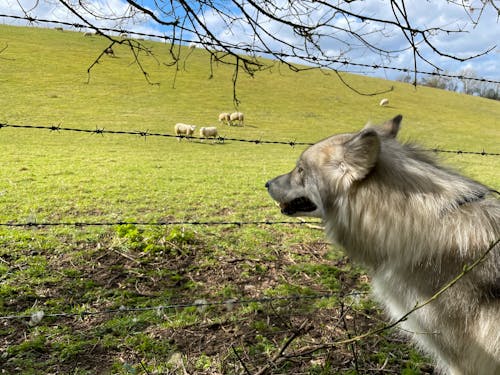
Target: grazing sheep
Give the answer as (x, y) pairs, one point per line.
(192, 45)
(58, 28)
(109, 51)
(384, 102)
(184, 130)
(88, 33)
(225, 118)
(207, 132)
(237, 116)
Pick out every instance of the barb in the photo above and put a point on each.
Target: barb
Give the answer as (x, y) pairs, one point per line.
(246, 50)
(145, 134)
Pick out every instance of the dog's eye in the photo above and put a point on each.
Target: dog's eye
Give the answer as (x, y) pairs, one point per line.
(300, 170)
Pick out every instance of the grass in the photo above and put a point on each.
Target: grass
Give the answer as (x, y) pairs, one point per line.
(62, 176)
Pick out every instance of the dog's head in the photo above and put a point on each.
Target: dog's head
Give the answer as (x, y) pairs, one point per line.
(329, 168)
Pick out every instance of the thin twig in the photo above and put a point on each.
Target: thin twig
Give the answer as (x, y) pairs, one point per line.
(240, 360)
(279, 358)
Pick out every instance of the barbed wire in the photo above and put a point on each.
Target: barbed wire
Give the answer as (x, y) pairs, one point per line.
(219, 139)
(200, 303)
(155, 223)
(343, 62)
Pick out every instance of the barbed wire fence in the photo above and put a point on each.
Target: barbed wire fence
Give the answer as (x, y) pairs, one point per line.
(220, 139)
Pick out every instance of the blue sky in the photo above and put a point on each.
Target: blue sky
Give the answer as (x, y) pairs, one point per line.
(424, 14)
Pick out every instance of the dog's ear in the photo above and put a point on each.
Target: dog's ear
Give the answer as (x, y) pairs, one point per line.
(390, 128)
(361, 153)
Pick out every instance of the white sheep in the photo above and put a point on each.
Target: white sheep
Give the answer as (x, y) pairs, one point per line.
(184, 130)
(384, 102)
(109, 51)
(225, 118)
(237, 116)
(209, 131)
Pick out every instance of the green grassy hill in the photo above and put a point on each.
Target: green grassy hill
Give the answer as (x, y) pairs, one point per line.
(65, 176)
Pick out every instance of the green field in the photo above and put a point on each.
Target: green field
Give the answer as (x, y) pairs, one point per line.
(62, 176)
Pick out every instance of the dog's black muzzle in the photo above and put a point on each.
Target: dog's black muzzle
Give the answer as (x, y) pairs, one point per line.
(299, 204)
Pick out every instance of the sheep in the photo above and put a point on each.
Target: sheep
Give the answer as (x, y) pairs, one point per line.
(384, 102)
(192, 45)
(236, 116)
(88, 33)
(184, 130)
(109, 51)
(225, 118)
(210, 131)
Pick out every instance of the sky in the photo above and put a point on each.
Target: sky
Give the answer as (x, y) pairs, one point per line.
(423, 14)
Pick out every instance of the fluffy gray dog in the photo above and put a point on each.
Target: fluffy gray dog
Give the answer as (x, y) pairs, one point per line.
(414, 225)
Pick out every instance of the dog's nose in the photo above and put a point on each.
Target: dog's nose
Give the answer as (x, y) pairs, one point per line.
(267, 185)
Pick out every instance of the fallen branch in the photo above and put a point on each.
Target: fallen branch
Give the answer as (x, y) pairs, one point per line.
(279, 357)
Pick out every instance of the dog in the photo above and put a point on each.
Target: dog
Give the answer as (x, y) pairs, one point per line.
(414, 225)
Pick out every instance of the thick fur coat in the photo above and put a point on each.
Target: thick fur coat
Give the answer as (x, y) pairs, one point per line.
(414, 225)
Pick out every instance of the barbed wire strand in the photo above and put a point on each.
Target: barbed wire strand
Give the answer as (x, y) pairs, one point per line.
(199, 303)
(344, 62)
(220, 139)
(156, 223)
